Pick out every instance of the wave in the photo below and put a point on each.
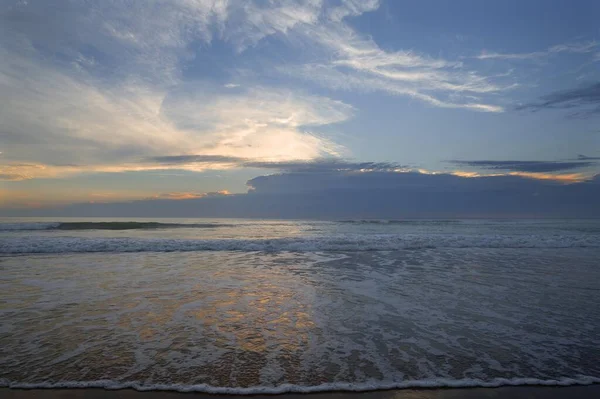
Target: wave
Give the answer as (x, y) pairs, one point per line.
(398, 221)
(107, 226)
(291, 388)
(345, 243)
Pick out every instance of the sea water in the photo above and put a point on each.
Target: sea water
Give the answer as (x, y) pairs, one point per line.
(251, 306)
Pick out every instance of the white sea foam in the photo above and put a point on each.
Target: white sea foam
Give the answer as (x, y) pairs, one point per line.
(292, 388)
(349, 243)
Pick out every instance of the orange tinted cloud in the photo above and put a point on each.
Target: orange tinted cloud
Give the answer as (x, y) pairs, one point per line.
(189, 195)
(565, 177)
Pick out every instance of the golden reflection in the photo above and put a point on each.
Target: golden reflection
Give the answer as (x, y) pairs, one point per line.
(258, 314)
(250, 315)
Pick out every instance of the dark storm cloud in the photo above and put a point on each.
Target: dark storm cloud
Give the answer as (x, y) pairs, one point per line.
(526, 166)
(318, 165)
(377, 195)
(584, 100)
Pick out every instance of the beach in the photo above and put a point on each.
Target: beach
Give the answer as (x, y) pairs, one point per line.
(246, 307)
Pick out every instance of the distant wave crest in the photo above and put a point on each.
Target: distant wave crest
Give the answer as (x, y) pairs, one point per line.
(107, 226)
(399, 221)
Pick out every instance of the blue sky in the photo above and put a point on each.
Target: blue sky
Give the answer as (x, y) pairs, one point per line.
(118, 101)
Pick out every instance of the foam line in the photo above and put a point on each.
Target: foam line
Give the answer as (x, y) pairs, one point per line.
(290, 388)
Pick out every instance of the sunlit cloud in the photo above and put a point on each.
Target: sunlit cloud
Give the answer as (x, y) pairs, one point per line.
(564, 177)
(94, 127)
(189, 195)
(527, 166)
(93, 113)
(20, 198)
(539, 170)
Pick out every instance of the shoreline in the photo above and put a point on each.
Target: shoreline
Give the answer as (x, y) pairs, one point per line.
(504, 392)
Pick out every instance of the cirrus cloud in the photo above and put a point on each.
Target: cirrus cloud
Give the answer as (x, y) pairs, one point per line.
(584, 100)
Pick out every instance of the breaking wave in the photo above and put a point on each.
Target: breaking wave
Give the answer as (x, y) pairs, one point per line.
(347, 243)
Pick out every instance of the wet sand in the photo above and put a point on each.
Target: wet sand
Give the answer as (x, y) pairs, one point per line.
(573, 392)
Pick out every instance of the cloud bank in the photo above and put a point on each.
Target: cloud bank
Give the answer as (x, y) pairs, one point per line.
(375, 194)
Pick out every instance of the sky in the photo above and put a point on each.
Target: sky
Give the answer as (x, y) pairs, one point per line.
(199, 107)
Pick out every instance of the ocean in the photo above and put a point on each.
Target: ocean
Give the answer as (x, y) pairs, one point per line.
(257, 306)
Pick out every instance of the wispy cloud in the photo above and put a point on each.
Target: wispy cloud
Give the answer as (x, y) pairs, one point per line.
(358, 63)
(584, 101)
(581, 157)
(332, 77)
(577, 48)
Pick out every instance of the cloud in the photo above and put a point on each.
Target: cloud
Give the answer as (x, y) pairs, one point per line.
(315, 165)
(332, 77)
(258, 122)
(377, 194)
(358, 63)
(12, 177)
(119, 40)
(577, 48)
(189, 195)
(586, 158)
(49, 115)
(102, 84)
(585, 100)
(190, 159)
(325, 165)
(525, 166)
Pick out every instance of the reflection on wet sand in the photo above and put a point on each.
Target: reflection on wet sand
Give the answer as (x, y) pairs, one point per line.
(247, 320)
(203, 321)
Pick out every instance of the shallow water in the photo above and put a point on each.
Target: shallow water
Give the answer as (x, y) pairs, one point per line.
(250, 306)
